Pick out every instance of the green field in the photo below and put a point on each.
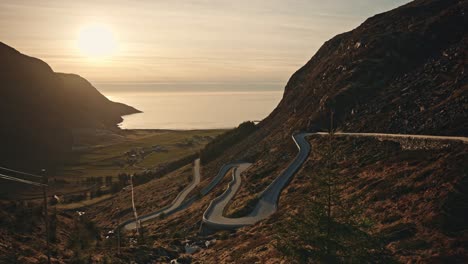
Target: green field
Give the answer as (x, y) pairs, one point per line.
(108, 155)
(111, 159)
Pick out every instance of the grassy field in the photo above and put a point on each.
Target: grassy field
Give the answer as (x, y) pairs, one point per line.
(109, 160)
(130, 151)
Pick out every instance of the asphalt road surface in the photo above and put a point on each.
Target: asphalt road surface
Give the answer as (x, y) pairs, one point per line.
(176, 204)
(268, 199)
(267, 203)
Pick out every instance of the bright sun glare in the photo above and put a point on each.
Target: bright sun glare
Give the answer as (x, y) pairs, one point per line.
(96, 41)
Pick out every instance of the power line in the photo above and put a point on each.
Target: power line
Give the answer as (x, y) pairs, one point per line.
(10, 178)
(20, 172)
(44, 193)
(28, 198)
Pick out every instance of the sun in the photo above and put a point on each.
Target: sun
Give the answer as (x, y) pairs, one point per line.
(96, 41)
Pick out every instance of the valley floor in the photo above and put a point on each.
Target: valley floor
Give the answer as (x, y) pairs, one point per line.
(99, 156)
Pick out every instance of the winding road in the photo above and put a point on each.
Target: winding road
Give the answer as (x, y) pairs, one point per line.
(267, 204)
(181, 201)
(213, 217)
(175, 205)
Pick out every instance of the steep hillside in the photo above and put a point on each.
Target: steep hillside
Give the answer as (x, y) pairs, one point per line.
(410, 198)
(402, 71)
(91, 108)
(399, 72)
(39, 108)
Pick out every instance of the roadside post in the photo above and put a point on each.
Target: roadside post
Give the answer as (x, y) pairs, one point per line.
(137, 223)
(46, 212)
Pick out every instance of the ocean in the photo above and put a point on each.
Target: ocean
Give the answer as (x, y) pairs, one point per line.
(195, 110)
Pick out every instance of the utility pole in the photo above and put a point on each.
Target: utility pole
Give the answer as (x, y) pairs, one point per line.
(137, 223)
(46, 212)
(329, 183)
(44, 185)
(118, 230)
(118, 239)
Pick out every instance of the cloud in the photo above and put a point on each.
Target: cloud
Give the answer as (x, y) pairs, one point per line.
(191, 40)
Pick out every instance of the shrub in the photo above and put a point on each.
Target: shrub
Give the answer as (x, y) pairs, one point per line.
(216, 147)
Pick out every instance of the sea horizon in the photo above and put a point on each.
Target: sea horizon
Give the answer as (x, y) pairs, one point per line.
(174, 110)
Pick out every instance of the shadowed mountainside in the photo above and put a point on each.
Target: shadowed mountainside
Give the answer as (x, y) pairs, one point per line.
(39, 108)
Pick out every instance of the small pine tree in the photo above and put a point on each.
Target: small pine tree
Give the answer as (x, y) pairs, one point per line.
(329, 229)
(53, 226)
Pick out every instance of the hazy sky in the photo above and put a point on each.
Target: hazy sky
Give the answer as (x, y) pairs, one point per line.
(195, 43)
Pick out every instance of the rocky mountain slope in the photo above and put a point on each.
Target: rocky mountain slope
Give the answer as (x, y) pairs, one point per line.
(399, 72)
(402, 71)
(39, 108)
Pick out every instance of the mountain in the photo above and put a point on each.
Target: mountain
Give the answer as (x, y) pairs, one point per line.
(39, 108)
(97, 111)
(402, 71)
